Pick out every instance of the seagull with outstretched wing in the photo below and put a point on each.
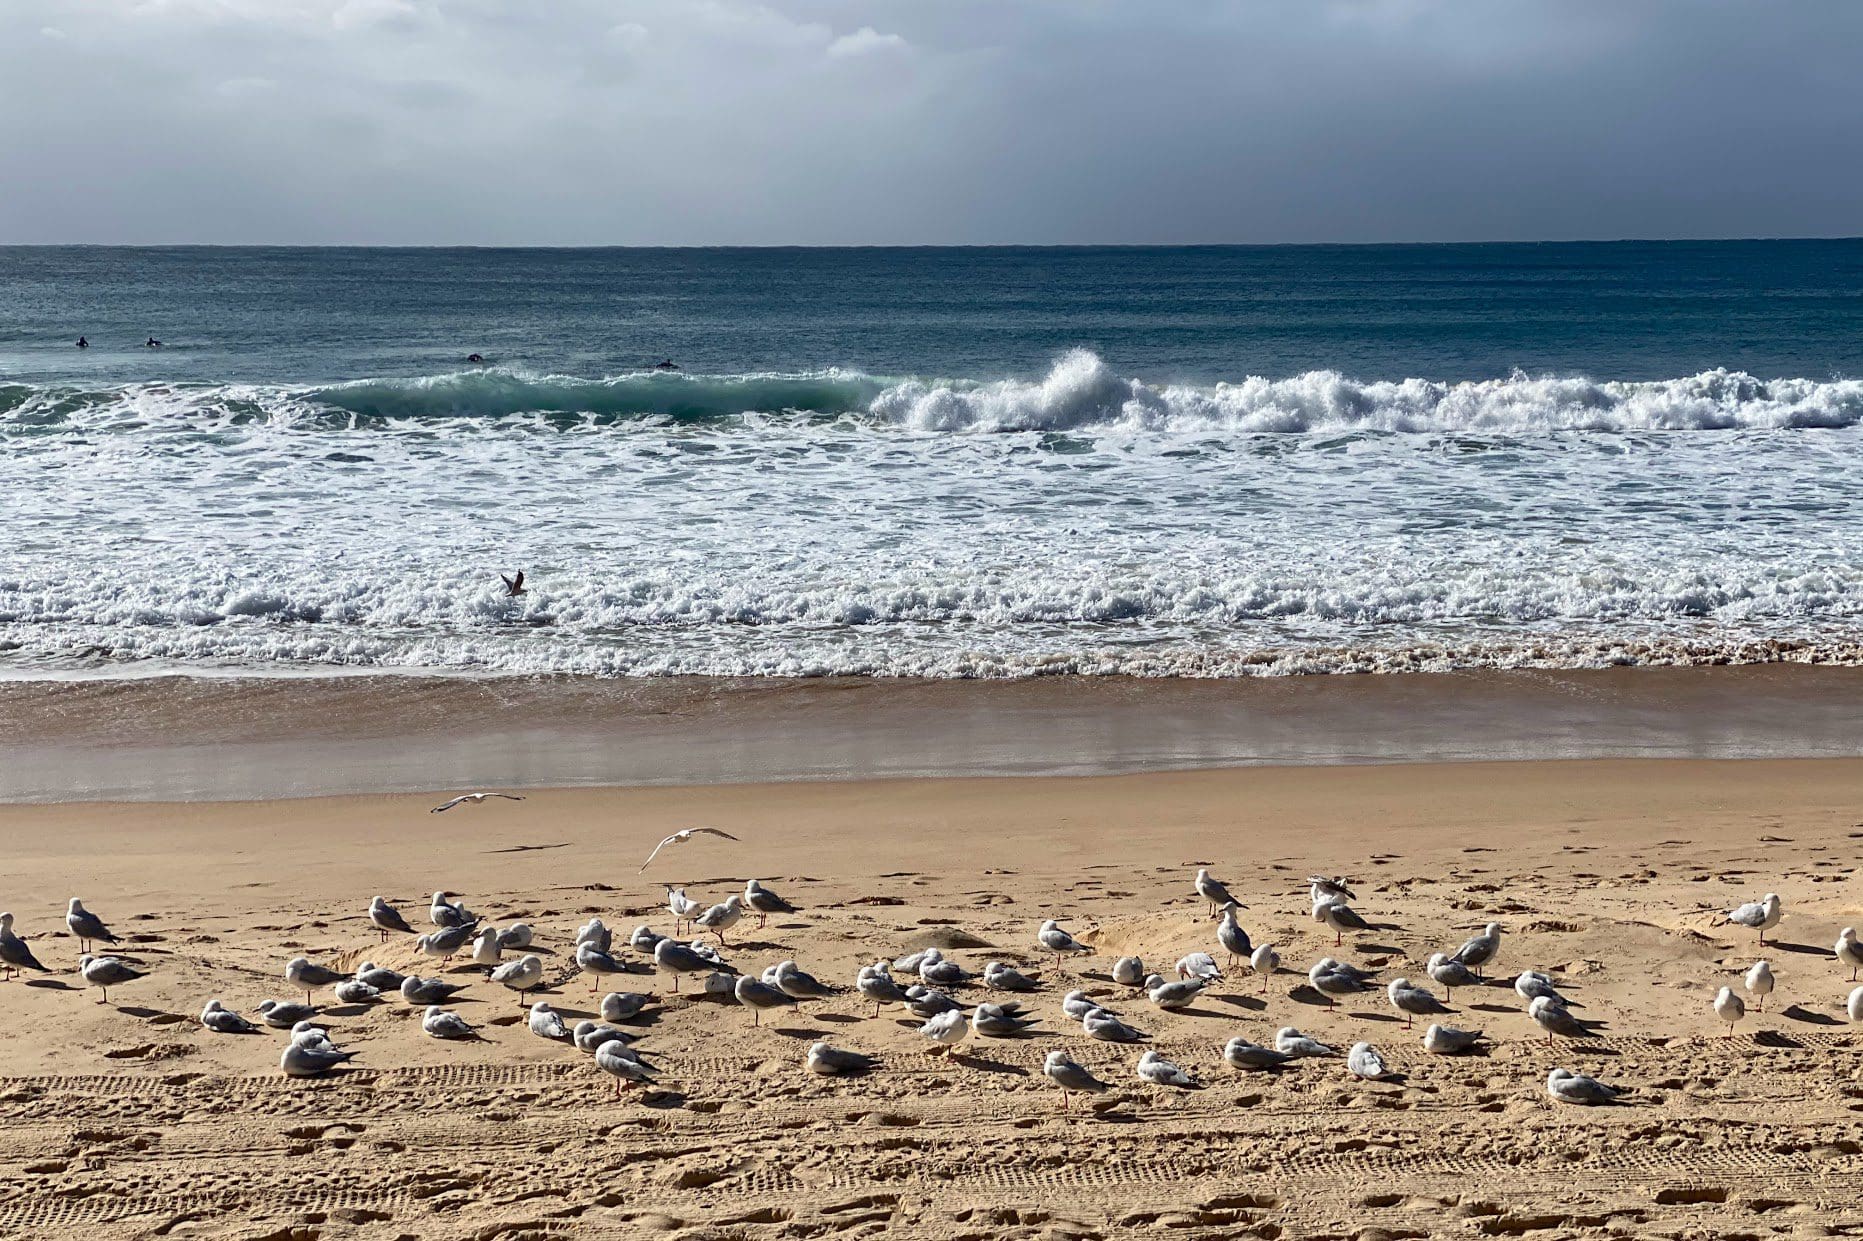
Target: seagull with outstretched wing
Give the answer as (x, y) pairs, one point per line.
(474, 798)
(681, 837)
(514, 586)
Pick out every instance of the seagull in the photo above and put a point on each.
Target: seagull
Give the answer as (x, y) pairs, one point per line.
(446, 915)
(1566, 1086)
(15, 953)
(1129, 972)
(546, 1022)
(1448, 973)
(1849, 951)
(934, 969)
(1064, 1072)
(1239, 1053)
(106, 972)
(300, 973)
(594, 932)
(1532, 984)
(1855, 1005)
(877, 985)
(825, 1061)
(1232, 937)
(1077, 1004)
(485, 949)
(681, 837)
(643, 939)
(283, 1014)
(1762, 915)
(1053, 939)
(311, 1059)
(998, 1020)
(474, 798)
(623, 1005)
(417, 990)
(1319, 888)
(1729, 1008)
(514, 586)
(588, 1036)
(382, 979)
(765, 902)
(308, 1031)
(1000, 977)
(1554, 1018)
(721, 918)
(517, 935)
(222, 1020)
(387, 918)
(757, 996)
(1481, 949)
(1154, 1068)
(1759, 984)
(355, 991)
(1449, 1041)
(1174, 995)
(798, 984)
(1413, 1002)
(447, 943)
(672, 957)
(1264, 962)
(624, 1066)
(945, 1030)
(922, 1001)
(1333, 980)
(681, 906)
(1340, 917)
(596, 964)
(1291, 1042)
(1212, 891)
(521, 975)
(443, 1023)
(87, 926)
(1198, 965)
(1364, 1061)
(1100, 1024)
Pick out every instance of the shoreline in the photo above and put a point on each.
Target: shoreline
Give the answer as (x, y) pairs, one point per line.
(245, 739)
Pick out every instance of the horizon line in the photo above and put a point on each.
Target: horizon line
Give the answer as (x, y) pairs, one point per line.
(992, 245)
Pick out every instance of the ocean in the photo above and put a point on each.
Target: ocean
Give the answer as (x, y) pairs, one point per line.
(1208, 462)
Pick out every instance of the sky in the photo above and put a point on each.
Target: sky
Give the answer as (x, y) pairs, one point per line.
(822, 122)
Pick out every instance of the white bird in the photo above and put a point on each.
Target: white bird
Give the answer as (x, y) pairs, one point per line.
(517, 935)
(474, 798)
(418, 990)
(1212, 891)
(546, 1022)
(1264, 962)
(1412, 1001)
(998, 1020)
(1334, 980)
(1448, 973)
(757, 995)
(1102, 1025)
(308, 1031)
(283, 1014)
(598, 965)
(520, 975)
(1340, 917)
(1729, 1008)
(1555, 1018)
(1232, 937)
(355, 991)
(300, 973)
(1077, 1004)
(1761, 915)
(878, 986)
(1566, 1086)
(1759, 984)
(1154, 1068)
(628, 1069)
(443, 1023)
(379, 977)
(446, 914)
(1053, 939)
(1292, 1043)
(623, 1005)
(223, 1020)
(798, 984)
(15, 953)
(446, 942)
(721, 918)
(946, 1030)
(588, 1036)
(1174, 995)
(106, 972)
(1476, 952)
(485, 949)
(923, 1001)
(1855, 1005)
(826, 1061)
(935, 969)
(1364, 1061)
(764, 902)
(1239, 1053)
(1849, 951)
(1320, 887)
(672, 957)
(311, 1059)
(682, 907)
(594, 931)
(1129, 972)
(387, 918)
(1532, 984)
(87, 926)
(1198, 965)
(1000, 977)
(1070, 1076)
(1449, 1041)
(681, 837)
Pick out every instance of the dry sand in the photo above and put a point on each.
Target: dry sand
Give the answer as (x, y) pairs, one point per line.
(128, 1119)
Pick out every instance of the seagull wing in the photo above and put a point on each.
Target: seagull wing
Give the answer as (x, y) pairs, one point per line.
(710, 831)
(673, 839)
(448, 805)
(510, 796)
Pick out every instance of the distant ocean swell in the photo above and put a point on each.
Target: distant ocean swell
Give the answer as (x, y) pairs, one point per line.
(1081, 393)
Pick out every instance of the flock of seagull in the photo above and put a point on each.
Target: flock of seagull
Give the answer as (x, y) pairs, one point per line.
(922, 983)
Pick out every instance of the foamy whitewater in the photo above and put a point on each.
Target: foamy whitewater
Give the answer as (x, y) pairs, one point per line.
(1083, 521)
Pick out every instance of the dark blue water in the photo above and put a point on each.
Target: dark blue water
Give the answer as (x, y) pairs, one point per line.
(1630, 310)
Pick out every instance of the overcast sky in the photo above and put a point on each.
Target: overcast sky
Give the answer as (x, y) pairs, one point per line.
(926, 121)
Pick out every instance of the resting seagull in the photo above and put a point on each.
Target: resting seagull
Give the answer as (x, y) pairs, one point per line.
(87, 926)
(1212, 891)
(681, 837)
(1762, 915)
(475, 799)
(387, 918)
(15, 953)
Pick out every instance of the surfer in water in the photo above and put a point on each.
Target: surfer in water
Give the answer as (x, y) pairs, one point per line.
(151, 343)
(477, 359)
(83, 344)
(667, 365)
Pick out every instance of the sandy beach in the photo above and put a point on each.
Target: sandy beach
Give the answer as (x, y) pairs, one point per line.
(129, 1119)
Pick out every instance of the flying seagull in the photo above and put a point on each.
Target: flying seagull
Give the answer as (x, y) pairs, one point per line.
(681, 837)
(514, 586)
(475, 798)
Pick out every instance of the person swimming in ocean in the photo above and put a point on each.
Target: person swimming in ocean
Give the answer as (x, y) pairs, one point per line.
(83, 344)
(151, 343)
(667, 365)
(477, 359)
